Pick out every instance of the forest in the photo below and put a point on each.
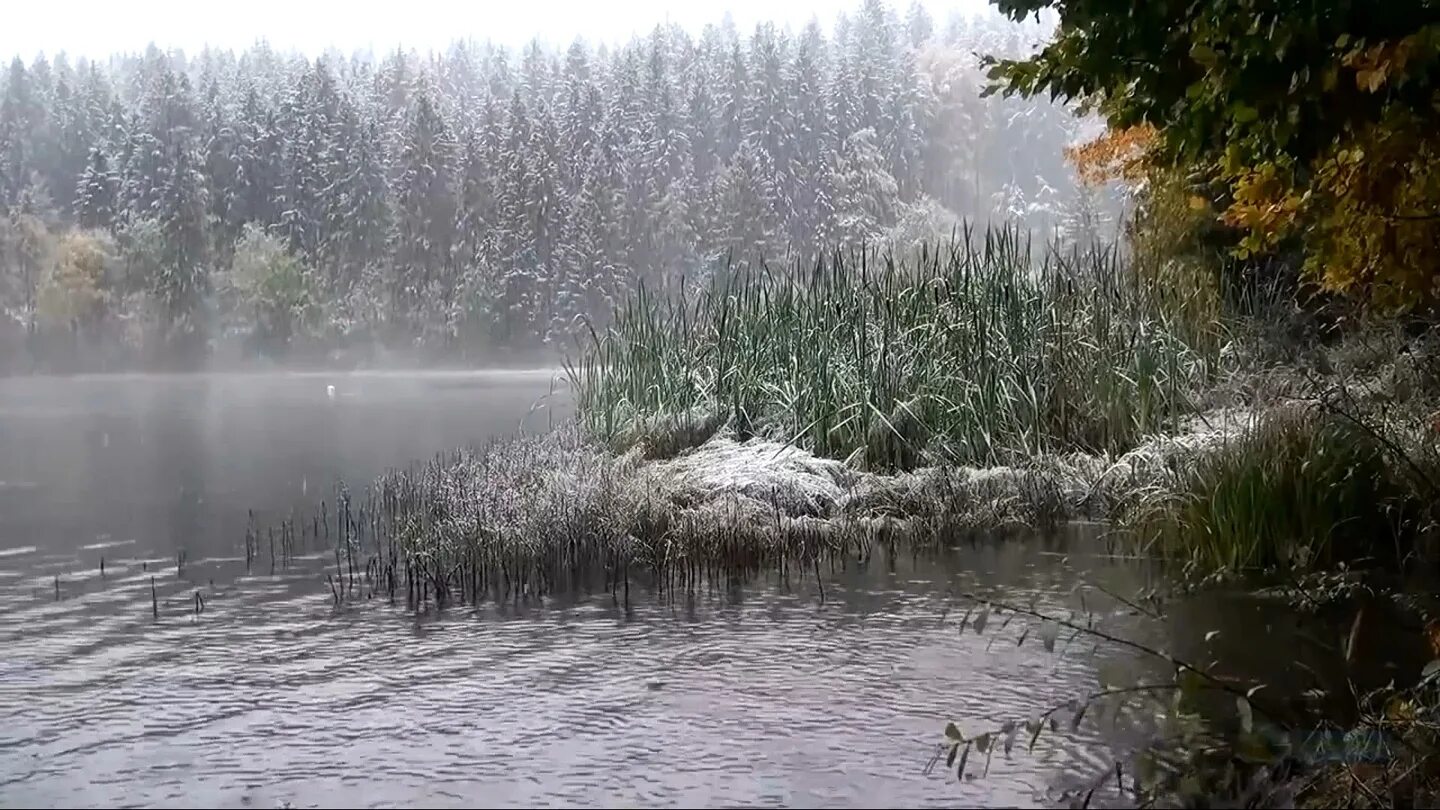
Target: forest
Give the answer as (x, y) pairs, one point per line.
(1147, 288)
(480, 206)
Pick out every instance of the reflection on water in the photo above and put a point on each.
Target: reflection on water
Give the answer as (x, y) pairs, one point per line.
(761, 694)
(757, 696)
(176, 461)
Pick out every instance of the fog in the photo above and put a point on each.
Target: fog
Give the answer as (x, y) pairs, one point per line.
(479, 204)
(96, 28)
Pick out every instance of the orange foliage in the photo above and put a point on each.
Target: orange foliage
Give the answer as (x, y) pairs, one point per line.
(1118, 154)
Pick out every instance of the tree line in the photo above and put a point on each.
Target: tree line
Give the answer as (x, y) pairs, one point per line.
(158, 208)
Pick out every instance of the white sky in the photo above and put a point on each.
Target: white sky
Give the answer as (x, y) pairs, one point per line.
(101, 27)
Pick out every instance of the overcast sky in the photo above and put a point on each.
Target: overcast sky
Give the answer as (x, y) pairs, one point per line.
(102, 27)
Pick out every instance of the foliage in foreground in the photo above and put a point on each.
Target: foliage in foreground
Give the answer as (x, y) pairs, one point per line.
(1210, 738)
(978, 352)
(1303, 122)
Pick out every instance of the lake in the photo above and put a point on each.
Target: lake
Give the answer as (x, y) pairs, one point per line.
(269, 694)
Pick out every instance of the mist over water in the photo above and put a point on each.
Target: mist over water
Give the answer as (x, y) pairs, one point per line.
(175, 462)
(252, 207)
(756, 694)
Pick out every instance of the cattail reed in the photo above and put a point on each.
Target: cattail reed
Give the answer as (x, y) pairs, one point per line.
(981, 352)
(251, 539)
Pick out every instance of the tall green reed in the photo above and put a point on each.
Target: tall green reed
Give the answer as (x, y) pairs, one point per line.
(1298, 488)
(976, 351)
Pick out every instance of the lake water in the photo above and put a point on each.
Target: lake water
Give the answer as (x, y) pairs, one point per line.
(761, 694)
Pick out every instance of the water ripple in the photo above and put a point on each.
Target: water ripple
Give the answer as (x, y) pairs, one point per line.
(273, 695)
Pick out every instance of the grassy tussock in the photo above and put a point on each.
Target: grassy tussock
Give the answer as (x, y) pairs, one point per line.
(1301, 486)
(552, 513)
(563, 511)
(539, 514)
(1003, 388)
(977, 353)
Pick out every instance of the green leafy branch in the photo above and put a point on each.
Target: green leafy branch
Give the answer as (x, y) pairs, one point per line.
(1190, 680)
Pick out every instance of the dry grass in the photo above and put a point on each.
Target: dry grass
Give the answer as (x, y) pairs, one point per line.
(533, 514)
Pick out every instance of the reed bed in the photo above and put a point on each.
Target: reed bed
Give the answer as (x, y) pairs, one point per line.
(1300, 487)
(557, 513)
(784, 421)
(979, 352)
(563, 513)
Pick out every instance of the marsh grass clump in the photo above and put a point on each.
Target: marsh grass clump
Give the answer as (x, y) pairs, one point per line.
(1300, 487)
(562, 513)
(666, 435)
(977, 353)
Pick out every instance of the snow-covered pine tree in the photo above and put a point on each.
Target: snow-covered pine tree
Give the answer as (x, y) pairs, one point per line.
(97, 192)
(181, 281)
(424, 226)
(73, 129)
(867, 195)
(919, 25)
(735, 89)
(221, 146)
(811, 132)
(18, 111)
(747, 208)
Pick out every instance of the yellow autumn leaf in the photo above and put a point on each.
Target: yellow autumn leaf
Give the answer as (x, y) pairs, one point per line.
(1400, 710)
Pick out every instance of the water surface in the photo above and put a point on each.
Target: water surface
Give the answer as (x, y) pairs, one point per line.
(762, 694)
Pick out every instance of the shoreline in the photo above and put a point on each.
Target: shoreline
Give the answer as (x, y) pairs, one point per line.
(773, 494)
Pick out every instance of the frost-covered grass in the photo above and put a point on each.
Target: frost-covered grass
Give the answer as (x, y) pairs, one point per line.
(979, 352)
(548, 513)
(1296, 488)
(563, 511)
(999, 387)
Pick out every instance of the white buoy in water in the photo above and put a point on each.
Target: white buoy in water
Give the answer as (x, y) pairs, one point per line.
(330, 391)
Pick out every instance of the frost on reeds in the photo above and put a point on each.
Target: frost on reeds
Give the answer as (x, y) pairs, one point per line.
(555, 511)
(563, 511)
(771, 419)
